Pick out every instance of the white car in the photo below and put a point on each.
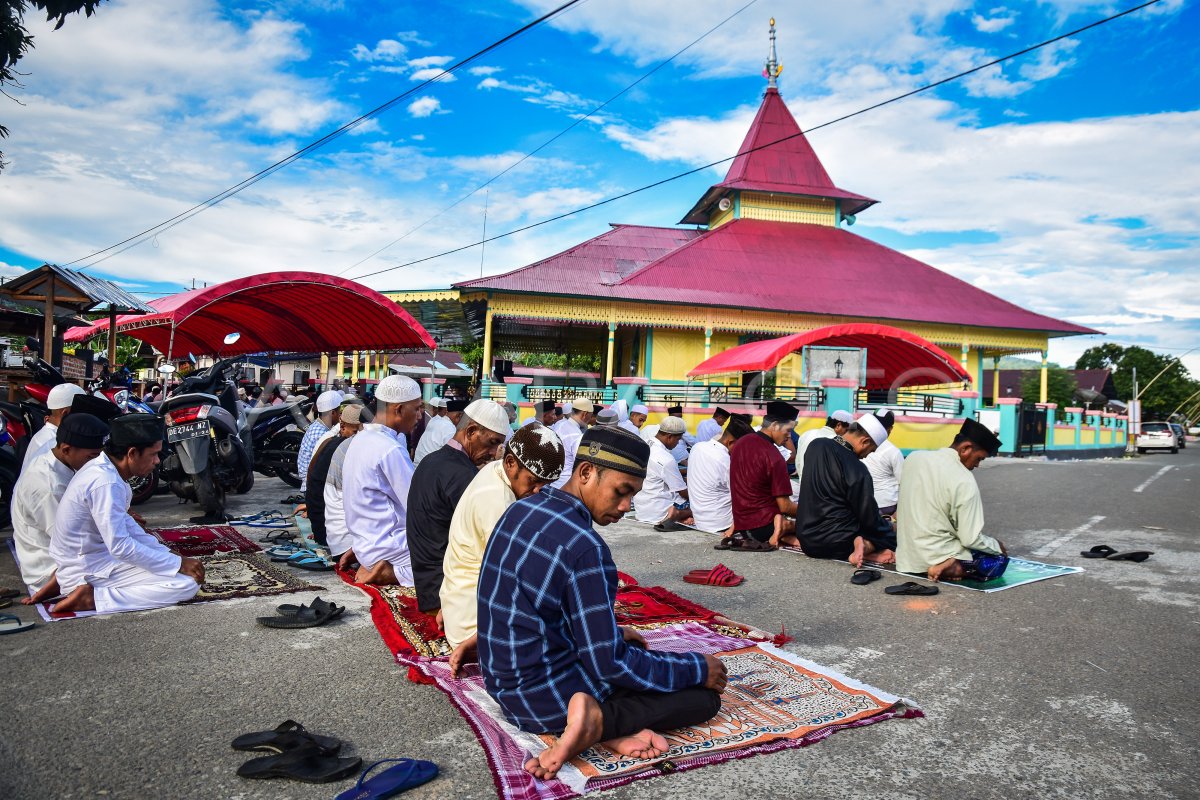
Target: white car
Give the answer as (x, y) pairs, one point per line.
(1157, 436)
(1194, 430)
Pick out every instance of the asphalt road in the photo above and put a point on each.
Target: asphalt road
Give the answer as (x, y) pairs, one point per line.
(1075, 687)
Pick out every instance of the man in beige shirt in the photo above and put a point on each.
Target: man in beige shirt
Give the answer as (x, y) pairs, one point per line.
(533, 457)
(939, 523)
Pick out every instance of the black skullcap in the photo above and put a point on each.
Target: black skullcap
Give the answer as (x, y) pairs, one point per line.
(782, 411)
(675, 410)
(980, 436)
(887, 417)
(545, 407)
(746, 418)
(82, 430)
(106, 410)
(136, 430)
(614, 448)
(721, 411)
(457, 405)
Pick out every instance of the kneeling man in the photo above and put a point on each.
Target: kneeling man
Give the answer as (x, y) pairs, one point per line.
(664, 484)
(940, 533)
(550, 649)
(106, 562)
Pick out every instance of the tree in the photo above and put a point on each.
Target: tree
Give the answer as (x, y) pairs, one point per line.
(15, 40)
(1158, 398)
(1060, 386)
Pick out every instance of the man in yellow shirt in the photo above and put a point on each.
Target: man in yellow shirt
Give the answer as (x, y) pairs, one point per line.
(532, 459)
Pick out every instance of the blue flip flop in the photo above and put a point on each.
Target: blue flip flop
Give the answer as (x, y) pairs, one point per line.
(407, 773)
(10, 623)
(284, 552)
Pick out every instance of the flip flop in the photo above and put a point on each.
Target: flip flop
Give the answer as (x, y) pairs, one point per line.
(749, 544)
(6, 602)
(271, 523)
(10, 623)
(287, 735)
(6, 593)
(1099, 551)
(283, 552)
(862, 577)
(303, 618)
(318, 605)
(314, 563)
(307, 764)
(407, 774)
(908, 587)
(718, 576)
(292, 499)
(1133, 555)
(726, 544)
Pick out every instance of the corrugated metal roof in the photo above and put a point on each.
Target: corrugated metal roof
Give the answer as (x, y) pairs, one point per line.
(100, 293)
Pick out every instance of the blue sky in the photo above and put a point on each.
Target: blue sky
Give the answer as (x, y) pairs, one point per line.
(1064, 182)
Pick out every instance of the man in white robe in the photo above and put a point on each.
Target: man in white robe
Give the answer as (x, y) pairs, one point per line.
(106, 562)
(664, 485)
(570, 430)
(375, 480)
(708, 479)
(439, 430)
(58, 403)
(886, 465)
(711, 428)
(637, 418)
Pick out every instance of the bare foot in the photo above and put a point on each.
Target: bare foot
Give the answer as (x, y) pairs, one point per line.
(884, 556)
(380, 574)
(859, 552)
(643, 744)
(82, 599)
(43, 594)
(948, 570)
(584, 723)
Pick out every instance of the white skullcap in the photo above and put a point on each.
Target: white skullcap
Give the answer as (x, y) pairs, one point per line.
(489, 414)
(329, 400)
(842, 416)
(639, 409)
(398, 389)
(62, 395)
(874, 428)
(582, 404)
(672, 425)
(607, 417)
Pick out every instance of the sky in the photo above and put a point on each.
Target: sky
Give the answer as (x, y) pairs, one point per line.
(1064, 181)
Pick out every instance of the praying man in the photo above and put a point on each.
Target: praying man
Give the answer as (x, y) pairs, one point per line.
(58, 403)
(570, 430)
(664, 485)
(328, 416)
(835, 425)
(939, 523)
(550, 650)
(636, 419)
(440, 429)
(710, 428)
(708, 479)
(886, 465)
(763, 509)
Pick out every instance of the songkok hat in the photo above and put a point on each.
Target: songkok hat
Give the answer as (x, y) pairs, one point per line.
(352, 414)
(82, 430)
(614, 448)
(457, 405)
(582, 404)
(539, 450)
(675, 410)
(607, 417)
(62, 395)
(489, 414)
(721, 411)
(746, 418)
(672, 425)
(545, 407)
(397, 389)
(873, 428)
(781, 410)
(106, 410)
(886, 416)
(842, 416)
(979, 435)
(639, 409)
(328, 401)
(135, 430)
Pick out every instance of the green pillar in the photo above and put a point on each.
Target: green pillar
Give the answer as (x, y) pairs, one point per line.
(839, 395)
(1009, 435)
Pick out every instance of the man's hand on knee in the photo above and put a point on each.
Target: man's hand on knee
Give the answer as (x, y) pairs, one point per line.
(716, 679)
(193, 569)
(633, 637)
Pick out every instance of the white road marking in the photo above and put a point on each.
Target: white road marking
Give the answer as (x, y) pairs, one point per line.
(1152, 479)
(1053, 545)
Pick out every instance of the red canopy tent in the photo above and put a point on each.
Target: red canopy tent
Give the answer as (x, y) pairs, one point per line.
(273, 312)
(895, 358)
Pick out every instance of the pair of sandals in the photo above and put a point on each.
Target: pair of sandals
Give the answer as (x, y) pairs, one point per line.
(292, 616)
(862, 577)
(1106, 552)
(742, 541)
(318, 560)
(264, 519)
(720, 575)
(310, 758)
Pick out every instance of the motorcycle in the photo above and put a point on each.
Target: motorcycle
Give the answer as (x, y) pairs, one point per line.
(12, 435)
(115, 389)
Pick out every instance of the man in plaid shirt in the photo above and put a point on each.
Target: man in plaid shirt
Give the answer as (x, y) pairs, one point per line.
(551, 652)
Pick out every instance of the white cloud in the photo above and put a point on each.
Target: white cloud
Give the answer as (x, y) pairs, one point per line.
(997, 20)
(431, 73)
(429, 61)
(484, 71)
(384, 50)
(424, 107)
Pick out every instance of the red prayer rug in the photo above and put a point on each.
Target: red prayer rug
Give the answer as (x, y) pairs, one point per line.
(204, 540)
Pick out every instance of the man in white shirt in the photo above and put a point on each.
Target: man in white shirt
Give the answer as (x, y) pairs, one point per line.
(375, 480)
(58, 402)
(885, 466)
(836, 424)
(708, 479)
(543, 413)
(570, 430)
(38, 492)
(664, 484)
(106, 562)
(710, 428)
(328, 417)
(439, 430)
(637, 418)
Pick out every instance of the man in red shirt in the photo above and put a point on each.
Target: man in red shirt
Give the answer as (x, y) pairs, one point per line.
(759, 485)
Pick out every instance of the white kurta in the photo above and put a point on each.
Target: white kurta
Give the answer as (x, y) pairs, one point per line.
(661, 487)
(571, 434)
(337, 535)
(439, 431)
(375, 480)
(629, 426)
(34, 506)
(940, 515)
(885, 466)
(807, 438)
(708, 486)
(40, 442)
(96, 541)
(707, 430)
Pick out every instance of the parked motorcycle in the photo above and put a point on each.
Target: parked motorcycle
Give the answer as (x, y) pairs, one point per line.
(13, 437)
(115, 389)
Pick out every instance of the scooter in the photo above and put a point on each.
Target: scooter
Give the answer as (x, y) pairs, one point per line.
(13, 438)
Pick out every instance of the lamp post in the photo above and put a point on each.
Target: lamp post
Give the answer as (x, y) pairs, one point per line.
(837, 367)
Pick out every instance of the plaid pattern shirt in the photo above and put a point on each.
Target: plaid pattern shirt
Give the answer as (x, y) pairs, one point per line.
(308, 446)
(546, 624)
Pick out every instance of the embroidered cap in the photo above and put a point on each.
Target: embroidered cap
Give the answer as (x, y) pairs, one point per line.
(397, 389)
(614, 448)
(607, 417)
(639, 409)
(539, 450)
(328, 400)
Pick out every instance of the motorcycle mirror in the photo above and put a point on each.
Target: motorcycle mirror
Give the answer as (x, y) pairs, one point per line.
(192, 358)
(33, 344)
(167, 369)
(231, 338)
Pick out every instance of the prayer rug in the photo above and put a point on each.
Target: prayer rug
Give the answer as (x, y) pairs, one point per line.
(204, 540)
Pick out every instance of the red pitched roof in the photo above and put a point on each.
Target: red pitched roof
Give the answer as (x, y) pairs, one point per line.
(790, 167)
(790, 267)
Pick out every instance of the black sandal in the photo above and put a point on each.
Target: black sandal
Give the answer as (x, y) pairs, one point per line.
(288, 735)
(305, 617)
(1133, 555)
(1099, 551)
(908, 587)
(308, 764)
(862, 577)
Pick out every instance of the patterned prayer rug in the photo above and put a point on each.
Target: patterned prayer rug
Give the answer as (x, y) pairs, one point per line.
(229, 575)
(204, 540)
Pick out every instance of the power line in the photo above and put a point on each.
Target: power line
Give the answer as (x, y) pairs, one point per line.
(183, 216)
(712, 164)
(549, 141)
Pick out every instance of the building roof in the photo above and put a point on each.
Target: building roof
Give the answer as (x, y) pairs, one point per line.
(73, 289)
(789, 167)
(755, 264)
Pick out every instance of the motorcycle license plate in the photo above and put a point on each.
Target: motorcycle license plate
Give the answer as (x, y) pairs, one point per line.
(189, 430)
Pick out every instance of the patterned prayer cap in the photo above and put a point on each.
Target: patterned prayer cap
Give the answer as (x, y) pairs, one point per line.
(539, 450)
(614, 448)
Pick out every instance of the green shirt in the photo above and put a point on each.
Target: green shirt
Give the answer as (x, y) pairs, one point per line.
(940, 513)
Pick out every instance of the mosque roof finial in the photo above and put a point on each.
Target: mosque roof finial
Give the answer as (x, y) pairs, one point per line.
(773, 68)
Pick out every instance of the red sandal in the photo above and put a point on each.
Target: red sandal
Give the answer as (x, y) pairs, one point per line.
(719, 575)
